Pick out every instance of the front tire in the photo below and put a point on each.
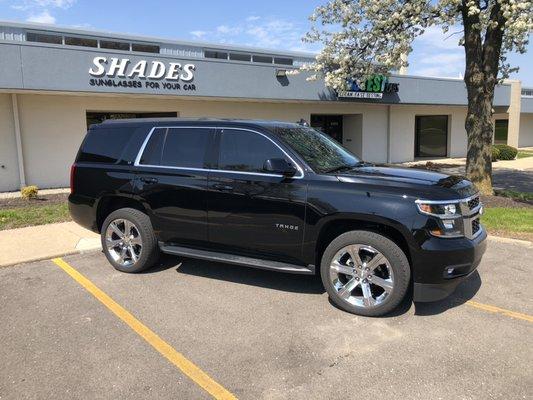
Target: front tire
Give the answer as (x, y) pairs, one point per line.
(128, 240)
(365, 273)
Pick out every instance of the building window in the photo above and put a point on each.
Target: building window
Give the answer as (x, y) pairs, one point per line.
(106, 44)
(431, 136)
(216, 54)
(240, 57)
(145, 48)
(501, 127)
(262, 59)
(283, 61)
(527, 92)
(78, 41)
(44, 38)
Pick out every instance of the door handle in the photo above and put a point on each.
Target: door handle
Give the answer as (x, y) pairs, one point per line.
(222, 187)
(149, 181)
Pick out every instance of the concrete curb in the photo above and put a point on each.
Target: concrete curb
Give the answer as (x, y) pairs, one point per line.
(502, 239)
(43, 258)
(43, 242)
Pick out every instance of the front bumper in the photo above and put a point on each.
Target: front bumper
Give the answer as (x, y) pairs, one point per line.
(433, 280)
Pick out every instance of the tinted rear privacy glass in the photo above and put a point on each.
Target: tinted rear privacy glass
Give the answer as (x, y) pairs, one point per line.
(104, 145)
(177, 147)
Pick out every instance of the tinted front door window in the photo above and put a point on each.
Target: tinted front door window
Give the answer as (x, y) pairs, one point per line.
(246, 151)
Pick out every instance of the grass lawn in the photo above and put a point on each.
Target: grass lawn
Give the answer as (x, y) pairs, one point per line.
(524, 153)
(26, 216)
(512, 222)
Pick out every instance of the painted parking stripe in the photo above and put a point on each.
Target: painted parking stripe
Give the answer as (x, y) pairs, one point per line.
(179, 360)
(498, 310)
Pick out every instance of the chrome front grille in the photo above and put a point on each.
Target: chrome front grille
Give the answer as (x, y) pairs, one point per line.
(475, 226)
(470, 209)
(473, 203)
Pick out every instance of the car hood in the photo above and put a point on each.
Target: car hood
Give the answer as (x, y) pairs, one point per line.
(421, 183)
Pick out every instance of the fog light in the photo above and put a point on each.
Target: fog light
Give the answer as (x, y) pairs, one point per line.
(448, 224)
(450, 271)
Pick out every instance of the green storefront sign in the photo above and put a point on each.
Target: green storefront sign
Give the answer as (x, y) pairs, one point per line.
(371, 88)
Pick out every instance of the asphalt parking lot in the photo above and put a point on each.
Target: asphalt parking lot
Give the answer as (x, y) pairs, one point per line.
(259, 335)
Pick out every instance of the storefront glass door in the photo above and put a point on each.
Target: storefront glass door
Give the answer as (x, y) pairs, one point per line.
(431, 136)
(329, 124)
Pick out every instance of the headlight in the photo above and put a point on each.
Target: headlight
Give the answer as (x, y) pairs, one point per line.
(448, 222)
(439, 210)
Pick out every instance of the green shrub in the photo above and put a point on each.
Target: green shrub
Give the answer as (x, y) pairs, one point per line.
(29, 192)
(506, 152)
(495, 153)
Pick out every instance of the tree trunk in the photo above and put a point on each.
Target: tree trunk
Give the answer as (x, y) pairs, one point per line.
(479, 130)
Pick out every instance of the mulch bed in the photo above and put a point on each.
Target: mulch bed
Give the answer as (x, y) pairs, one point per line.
(499, 201)
(47, 200)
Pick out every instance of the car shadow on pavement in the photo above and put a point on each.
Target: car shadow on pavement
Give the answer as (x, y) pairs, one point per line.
(306, 283)
(249, 276)
(464, 292)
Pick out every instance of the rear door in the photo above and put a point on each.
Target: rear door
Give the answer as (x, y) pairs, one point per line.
(253, 212)
(172, 180)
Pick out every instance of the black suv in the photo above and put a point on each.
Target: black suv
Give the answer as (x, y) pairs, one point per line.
(277, 196)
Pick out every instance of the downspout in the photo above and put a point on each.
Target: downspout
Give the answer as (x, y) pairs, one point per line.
(18, 140)
(388, 135)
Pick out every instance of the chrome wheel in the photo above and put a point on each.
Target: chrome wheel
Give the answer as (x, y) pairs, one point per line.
(361, 275)
(123, 242)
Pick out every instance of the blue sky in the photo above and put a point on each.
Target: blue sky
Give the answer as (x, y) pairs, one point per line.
(272, 24)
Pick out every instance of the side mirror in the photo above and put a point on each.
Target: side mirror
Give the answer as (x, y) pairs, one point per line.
(279, 166)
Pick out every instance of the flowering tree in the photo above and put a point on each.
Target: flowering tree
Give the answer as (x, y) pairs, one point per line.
(366, 37)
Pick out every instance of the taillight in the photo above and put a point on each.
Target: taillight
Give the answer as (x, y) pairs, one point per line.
(72, 177)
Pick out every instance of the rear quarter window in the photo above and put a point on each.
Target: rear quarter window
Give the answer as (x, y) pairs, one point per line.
(104, 145)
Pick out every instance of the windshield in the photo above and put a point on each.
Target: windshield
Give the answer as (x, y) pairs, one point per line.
(318, 150)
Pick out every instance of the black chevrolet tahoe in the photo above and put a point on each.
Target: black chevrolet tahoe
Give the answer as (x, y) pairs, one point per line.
(278, 196)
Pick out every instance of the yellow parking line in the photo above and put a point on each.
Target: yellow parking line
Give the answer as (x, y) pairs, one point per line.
(498, 310)
(183, 364)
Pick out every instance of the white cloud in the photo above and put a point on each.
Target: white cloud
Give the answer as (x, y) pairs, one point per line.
(435, 38)
(35, 4)
(444, 58)
(39, 10)
(43, 18)
(198, 34)
(55, 3)
(437, 54)
(227, 30)
(266, 32)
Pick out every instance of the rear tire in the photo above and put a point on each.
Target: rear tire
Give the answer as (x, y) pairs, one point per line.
(128, 240)
(365, 273)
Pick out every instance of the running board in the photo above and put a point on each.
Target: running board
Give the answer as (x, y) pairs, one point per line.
(237, 260)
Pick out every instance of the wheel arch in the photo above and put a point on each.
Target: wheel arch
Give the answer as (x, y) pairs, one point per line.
(109, 203)
(337, 225)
